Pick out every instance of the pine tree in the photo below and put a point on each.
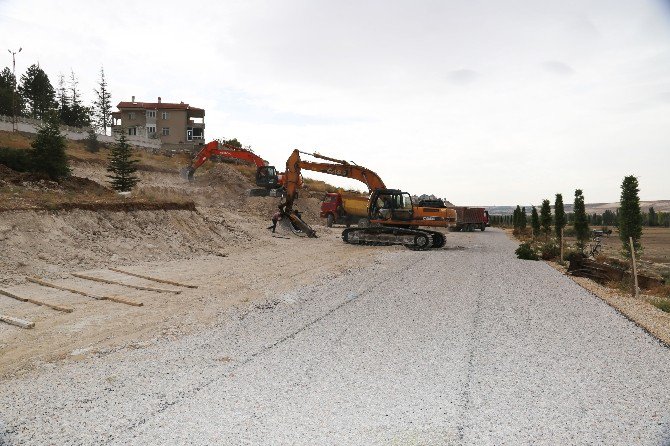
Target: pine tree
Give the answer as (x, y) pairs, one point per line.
(630, 216)
(121, 166)
(63, 101)
(545, 218)
(535, 222)
(102, 107)
(581, 224)
(79, 115)
(7, 89)
(92, 143)
(523, 219)
(560, 219)
(37, 92)
(48, 153)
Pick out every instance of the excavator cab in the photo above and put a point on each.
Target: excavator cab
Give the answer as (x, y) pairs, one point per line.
(390, 205)
(266, 177)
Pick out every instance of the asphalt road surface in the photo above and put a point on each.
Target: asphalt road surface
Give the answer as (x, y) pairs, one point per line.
(464, 345)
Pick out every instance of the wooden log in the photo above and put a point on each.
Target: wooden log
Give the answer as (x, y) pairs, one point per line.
(114, 282)
(123, 300)
(118, 299)
(36, 302)
(155, 279)
(16, 321)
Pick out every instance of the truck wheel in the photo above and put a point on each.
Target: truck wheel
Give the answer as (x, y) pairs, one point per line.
(330, 220)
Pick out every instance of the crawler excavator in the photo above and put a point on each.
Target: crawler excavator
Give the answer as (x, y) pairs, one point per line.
(269, 182)
(392, 218)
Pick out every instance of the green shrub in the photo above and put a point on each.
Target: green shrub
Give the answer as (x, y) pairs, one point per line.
(550, 251)
(15, 159)
(662, 305)
(525, 251)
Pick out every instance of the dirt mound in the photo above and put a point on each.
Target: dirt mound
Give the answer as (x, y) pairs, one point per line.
(79, 184)
(50, 243)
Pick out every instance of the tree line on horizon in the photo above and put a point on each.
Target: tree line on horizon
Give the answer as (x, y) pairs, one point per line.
(608, 218)
(36, 97)
(629, 219)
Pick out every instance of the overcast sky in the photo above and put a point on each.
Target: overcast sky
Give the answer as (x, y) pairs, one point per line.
(481, 102)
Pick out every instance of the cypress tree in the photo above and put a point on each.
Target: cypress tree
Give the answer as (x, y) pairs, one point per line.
(653, 217)
(545, 218)
(630, 216)
(516, 217)
(560, 219)
(523, 219)
(48, 153)
(535, 222)
(581, 224)
(121, 166)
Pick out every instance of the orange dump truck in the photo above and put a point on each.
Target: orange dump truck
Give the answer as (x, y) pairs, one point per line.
(345, 209)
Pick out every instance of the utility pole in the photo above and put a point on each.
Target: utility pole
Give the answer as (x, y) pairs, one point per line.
(13, 53)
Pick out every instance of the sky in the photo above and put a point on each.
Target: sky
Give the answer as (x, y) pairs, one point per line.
(480, 102)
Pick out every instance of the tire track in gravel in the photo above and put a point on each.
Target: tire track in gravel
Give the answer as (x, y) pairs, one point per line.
(194, 391)
(469, 377)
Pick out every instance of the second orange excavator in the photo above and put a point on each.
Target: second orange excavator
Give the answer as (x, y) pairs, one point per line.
(268, 180)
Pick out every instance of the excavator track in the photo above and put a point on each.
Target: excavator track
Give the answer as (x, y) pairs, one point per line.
(415, 239)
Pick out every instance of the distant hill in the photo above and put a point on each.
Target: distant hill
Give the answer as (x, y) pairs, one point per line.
(598, 208)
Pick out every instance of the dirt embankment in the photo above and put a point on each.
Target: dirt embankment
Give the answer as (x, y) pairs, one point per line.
(48, 244)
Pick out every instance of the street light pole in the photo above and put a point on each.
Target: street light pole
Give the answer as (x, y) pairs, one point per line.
(13, 53)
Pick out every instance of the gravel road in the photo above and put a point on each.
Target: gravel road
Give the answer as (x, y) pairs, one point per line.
(464, 345)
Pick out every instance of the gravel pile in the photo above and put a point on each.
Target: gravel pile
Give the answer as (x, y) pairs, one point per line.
(455, 346)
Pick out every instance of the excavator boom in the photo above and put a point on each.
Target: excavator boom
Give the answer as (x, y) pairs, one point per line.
(221, 149)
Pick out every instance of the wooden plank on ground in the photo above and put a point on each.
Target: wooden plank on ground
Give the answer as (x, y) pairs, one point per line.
(114, 282)
(155, 279)
(123, 300)
(36, 302)
(118, 299)
(16, 321)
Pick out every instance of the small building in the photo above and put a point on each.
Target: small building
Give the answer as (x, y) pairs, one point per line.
(171, 123)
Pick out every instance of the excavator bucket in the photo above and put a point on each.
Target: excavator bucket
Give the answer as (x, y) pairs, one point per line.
(187, 173)
(300, 225)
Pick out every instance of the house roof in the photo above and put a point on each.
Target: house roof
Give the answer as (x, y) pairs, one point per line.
(157, 106)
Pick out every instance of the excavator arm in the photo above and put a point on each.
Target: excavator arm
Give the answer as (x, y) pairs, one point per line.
(217, 148)
(292, 178)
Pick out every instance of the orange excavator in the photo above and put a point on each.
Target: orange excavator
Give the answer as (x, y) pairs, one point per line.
(268, 180)
(392, 217)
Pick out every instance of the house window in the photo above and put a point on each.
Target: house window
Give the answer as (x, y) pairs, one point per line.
(165, 115)
(131, 116)
(132, 131)
(151, 129)
(151, 113)
(166, 131)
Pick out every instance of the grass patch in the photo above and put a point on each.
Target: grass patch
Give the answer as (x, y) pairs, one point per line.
(663, 305)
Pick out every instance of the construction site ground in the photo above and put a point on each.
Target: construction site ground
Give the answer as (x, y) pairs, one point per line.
(289, 340)
(462, 345)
